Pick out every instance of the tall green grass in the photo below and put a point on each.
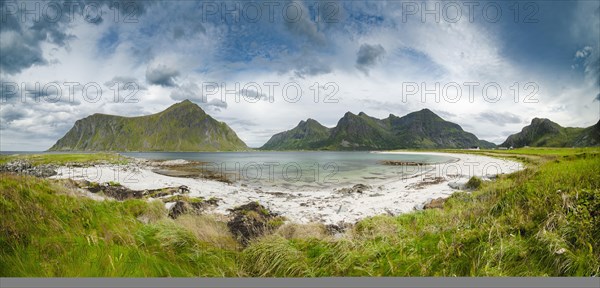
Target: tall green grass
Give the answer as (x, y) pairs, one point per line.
(66, 158)
(544, 220)
(47, 233)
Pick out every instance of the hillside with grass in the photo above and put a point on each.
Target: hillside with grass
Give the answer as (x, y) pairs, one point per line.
(541, 221)
(182, 127)
(422, 129)
(545, 133)
(307, 135)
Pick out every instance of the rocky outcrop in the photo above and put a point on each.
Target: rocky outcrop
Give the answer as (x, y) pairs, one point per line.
(186, 205)
(437, 203)
(24, 167)
(252, 220)
(358, 188)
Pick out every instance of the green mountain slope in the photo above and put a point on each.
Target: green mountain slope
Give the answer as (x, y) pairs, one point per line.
(545, 133)
(425, 129)
(307, 135)
(181, 127)
(589, 136)
(360, 132)
(421, 129)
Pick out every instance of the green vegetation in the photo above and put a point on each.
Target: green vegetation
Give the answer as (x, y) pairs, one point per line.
(541, 221)
(307, 135)
(362, 132)
(66, 159)
(545, 133)
(47, 231)
(181, 127)
(474, 183)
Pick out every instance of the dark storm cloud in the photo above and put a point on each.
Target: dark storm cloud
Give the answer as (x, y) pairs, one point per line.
(161, 75)
(21, 41)
(368, 55)
(297, 21)
(27, 24)
(9, 113)
(18, 55)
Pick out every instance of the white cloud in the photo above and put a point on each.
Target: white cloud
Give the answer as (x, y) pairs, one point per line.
(583, 52)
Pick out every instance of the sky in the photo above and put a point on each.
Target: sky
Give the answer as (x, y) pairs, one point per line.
(263, 66)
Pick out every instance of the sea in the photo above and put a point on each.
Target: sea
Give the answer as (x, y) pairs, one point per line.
(305, 170)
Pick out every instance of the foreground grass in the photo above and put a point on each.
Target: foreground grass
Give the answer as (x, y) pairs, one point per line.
(64, 159)
(542, 221)
(47, 232)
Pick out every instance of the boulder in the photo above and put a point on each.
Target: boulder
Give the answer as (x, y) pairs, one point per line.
(251, 220)
(179, 208)
(358, 188)
(24, 167)
(183, 189)
(435, 203)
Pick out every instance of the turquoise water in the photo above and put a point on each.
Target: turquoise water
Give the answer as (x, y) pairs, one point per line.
(307, 170)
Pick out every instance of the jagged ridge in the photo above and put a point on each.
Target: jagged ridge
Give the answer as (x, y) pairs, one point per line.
(421, 129)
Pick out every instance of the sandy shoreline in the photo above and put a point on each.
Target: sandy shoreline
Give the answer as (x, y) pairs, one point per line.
(326, 205)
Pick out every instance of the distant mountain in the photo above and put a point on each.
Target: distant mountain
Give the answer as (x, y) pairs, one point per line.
(426, 129)
(421, 129)
(589, 136)
(181, 127)
(545, 133)
(307, 135)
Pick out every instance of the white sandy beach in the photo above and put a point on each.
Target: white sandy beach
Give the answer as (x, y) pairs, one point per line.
(393, 196)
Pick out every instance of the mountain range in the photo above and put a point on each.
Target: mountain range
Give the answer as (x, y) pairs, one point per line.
(545, 133)
(421, 129)
(186, 127)
(182, 127)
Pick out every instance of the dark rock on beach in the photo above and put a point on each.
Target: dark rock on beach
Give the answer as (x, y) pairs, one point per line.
(187, 205)
(358, 188)
(252, 220)
(24, 167)
(400, 163)
(179, 208)
(435, 204)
